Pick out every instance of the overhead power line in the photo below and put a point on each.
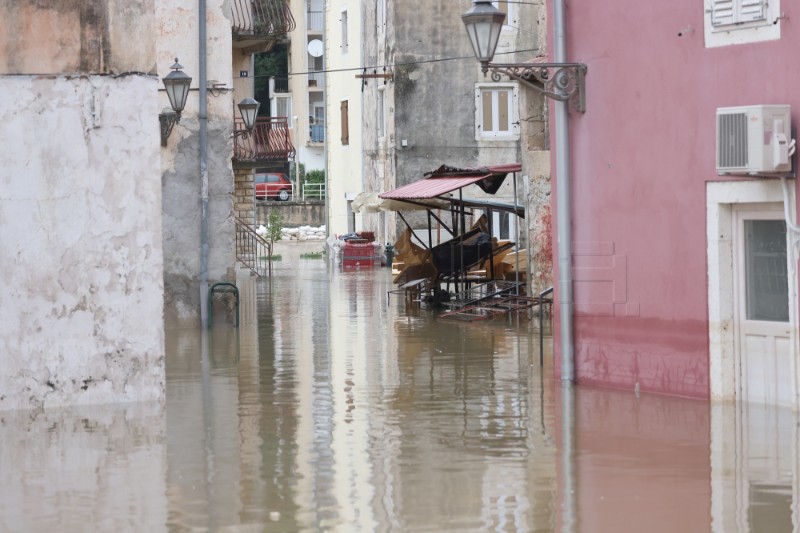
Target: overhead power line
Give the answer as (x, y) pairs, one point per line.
(394, 65)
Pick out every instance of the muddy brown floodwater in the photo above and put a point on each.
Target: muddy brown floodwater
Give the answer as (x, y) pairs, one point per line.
(333, 409)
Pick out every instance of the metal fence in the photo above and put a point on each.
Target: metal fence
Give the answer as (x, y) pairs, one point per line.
(313, 191)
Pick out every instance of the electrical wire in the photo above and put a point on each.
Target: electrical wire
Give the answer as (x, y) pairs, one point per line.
(395, 65)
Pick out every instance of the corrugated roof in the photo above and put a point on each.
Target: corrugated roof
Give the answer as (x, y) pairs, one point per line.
(448, 179)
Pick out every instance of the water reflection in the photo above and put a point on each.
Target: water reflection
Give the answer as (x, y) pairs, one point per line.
(329, 410)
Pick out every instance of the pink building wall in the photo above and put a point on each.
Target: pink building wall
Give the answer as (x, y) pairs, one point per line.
(641, 156)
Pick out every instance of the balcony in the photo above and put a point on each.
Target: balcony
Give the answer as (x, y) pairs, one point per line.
(268, 143)
(317, 133)
(257, 22)
(314, 21)
(279, 85)
(316, 79)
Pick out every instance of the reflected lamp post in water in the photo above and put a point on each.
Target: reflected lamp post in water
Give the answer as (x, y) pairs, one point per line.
(559, 81)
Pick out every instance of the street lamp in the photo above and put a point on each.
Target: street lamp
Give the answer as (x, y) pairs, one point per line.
(177, 85)
(559, 81)
(248, 109)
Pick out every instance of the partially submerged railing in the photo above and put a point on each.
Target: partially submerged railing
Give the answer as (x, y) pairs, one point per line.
(252, 250)
(269, 140)
(261, 18)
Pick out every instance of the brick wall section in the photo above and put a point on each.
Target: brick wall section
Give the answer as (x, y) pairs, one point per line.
(244, 196)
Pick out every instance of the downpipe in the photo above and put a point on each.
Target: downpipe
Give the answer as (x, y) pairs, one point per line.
(563, 216)
(203, 117)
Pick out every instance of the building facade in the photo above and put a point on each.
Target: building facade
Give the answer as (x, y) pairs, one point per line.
(344, 124)
(428, 104)
(80, 204)
(209, 160)
(685, 280)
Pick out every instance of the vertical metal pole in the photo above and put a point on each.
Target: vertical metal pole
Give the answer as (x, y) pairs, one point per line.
(563, 215)
(516, 238)
(203, 116)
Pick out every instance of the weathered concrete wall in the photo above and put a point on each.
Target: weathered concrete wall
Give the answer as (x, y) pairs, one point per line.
(310, 213)
(80, 215)
(71, 36)
(178, 31)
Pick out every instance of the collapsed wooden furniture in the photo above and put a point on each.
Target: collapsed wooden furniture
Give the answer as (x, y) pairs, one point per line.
(469, 266)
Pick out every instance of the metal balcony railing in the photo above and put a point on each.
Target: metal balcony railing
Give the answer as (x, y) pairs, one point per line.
(314, 20)
(316, 79)
(279, 85)
(317, 133)
(261, 18)
(269, 140)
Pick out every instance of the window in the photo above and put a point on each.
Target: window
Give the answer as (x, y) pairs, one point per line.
(345, 123)
(496, 112)
(283, 107)
(381, 120)
(344, 32)
(380, 16)
(510, 22)
(741, 21)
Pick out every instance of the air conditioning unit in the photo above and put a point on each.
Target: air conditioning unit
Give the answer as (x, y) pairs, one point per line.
(754, 140)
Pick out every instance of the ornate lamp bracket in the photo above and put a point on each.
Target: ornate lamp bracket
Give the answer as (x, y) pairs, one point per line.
(167, 119)
(559, 81)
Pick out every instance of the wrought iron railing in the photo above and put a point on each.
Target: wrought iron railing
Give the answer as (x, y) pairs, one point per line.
(280, 85)
(252, 250)
(261, 18)
(269, 140)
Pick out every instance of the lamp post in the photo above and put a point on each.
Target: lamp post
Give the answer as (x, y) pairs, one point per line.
(559, 81)
(248, 109)
(177, 85)
(565, 83)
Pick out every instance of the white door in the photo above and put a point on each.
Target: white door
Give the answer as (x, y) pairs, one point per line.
(761, 299)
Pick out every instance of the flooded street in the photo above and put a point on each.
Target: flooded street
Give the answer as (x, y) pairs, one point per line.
(334, 409)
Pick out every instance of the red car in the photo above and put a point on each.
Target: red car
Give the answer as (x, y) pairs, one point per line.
(273, 186)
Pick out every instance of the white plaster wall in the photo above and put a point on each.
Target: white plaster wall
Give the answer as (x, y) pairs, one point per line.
(80, 234)
(344, 173)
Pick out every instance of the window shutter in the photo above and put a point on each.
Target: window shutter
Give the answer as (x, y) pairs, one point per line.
(752, 10)
(727, 12)
(722, 12)
(345, 123)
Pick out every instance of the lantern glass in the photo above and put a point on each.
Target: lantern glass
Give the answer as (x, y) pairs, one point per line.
(248, 108)
(177, 84)
(483, 22)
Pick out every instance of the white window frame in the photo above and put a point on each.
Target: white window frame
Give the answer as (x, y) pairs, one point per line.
(482, 134)
(287, 102)
(381, 112)
(734, 24)
(344, 31)
(380, 16)
(510, 23)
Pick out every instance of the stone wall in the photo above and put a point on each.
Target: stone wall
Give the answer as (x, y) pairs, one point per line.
(309, 213)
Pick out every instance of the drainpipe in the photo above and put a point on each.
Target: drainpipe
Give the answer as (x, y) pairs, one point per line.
(563, 203)
(326, 132)
(203, 116)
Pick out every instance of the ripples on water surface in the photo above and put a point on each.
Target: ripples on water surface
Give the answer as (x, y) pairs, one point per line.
(329, 410)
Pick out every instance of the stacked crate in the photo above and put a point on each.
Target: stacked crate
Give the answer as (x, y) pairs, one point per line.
(362, 252)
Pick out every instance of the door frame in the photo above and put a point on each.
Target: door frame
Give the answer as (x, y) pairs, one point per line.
(722, 198)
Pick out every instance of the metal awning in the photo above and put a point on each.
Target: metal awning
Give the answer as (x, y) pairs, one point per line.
(447, 179)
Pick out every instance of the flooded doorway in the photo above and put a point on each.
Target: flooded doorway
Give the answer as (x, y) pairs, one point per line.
(752, 325)
(761, 301)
